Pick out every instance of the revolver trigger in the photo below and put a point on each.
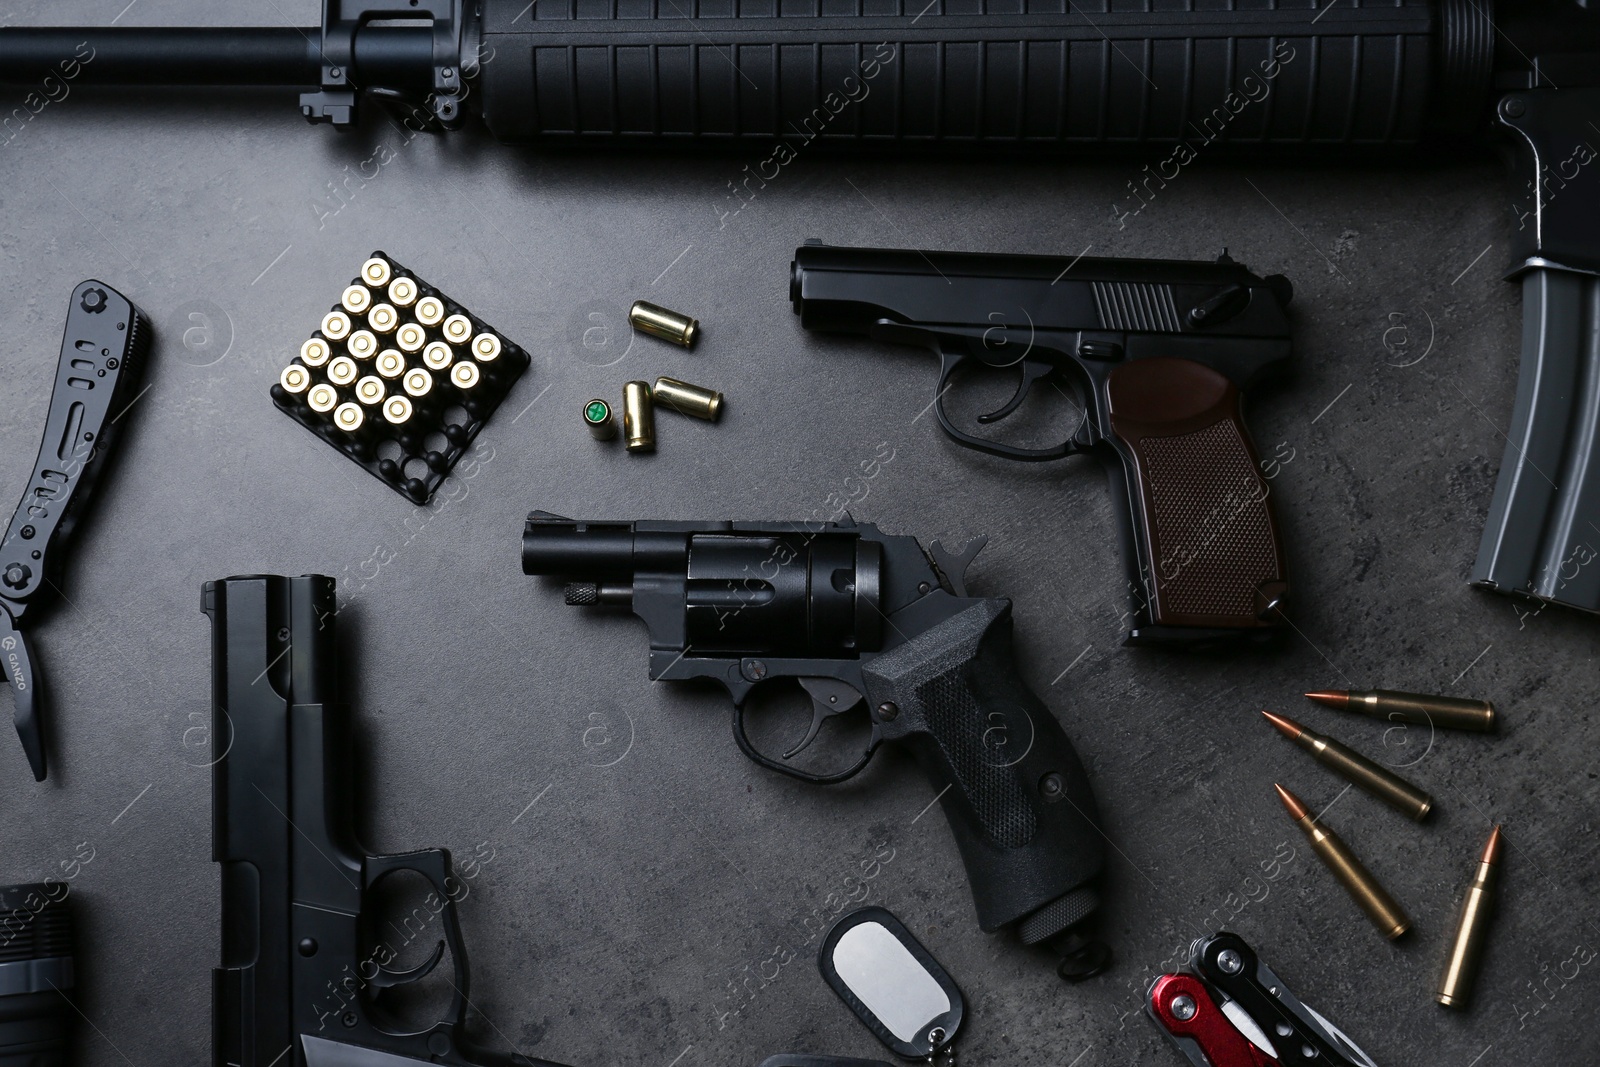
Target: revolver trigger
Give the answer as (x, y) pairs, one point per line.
(829, 696)
(953, 565)
(387, 979)
(1032, 371)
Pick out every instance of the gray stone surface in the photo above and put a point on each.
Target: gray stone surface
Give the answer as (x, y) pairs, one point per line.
(652, 898)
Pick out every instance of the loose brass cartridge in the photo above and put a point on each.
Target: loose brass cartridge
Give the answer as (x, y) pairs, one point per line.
(1353, 767)
(1369, 895)
(638, 417)
(668, 325)
(1466, 948)
(1420, 709)
(686, 399)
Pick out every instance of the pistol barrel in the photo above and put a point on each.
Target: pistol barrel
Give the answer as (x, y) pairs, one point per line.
(593, 550)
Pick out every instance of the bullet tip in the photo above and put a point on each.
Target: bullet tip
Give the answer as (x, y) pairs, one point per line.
(1288, 727)
(1291, 803)
(1333, 698)
(1491, 848)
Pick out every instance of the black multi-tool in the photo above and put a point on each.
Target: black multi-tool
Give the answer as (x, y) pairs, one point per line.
(102, 356)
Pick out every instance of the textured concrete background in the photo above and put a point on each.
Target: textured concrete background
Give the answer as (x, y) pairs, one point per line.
(651, 898)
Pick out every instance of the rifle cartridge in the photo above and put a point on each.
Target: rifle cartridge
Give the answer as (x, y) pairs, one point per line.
(1372, 778)
(1387, 915)
(457, 329)
(1422, 709)
(1466, 948)
(464, 375)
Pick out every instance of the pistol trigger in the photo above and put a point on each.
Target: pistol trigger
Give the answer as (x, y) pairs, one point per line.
(387, 979)
(1032, 371)
(829, 696)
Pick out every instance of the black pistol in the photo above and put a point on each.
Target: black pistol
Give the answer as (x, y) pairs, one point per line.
(1159, 353)
(302, 958)
(866, 620)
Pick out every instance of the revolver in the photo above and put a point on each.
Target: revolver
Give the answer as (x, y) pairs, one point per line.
(1159, 354)
(305, 957)
(863, 619)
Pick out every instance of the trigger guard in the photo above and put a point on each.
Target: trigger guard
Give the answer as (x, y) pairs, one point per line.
(387, 979)
(755, 756)
(952, 362)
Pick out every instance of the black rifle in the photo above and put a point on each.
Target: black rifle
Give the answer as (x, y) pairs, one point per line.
(300, 970)
(1329, 79)
(1159, 353)
(856, 615)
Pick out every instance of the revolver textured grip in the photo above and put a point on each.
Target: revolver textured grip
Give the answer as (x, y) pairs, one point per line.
(1204, 536)
(1012, 788)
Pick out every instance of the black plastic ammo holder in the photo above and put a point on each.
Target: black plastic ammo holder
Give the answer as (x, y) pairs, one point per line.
(35, 975)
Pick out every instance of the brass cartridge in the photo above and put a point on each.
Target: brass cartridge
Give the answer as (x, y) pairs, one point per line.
(1466, 948)
(1421, 709)
(1358, 770)
(668, 325)
(1390, 919)
(638, 417)
(687, 399)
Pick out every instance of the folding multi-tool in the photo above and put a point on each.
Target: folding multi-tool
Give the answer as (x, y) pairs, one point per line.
(1230, 1010)
(102, 357)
